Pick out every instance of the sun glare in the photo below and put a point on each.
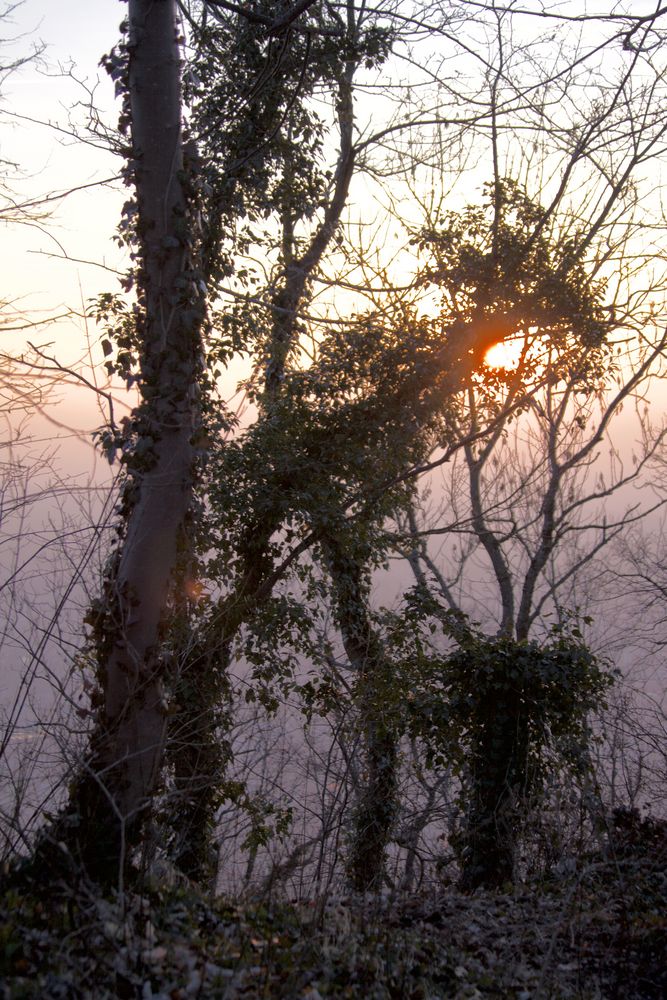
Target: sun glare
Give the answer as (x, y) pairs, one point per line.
(505, 354)
(194, 590)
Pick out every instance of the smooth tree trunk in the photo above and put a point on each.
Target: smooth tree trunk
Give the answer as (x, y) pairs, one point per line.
(113, 794)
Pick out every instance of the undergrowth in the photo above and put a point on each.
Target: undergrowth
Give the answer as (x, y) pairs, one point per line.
(598, 932)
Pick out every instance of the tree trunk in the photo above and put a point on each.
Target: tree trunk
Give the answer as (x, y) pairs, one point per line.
(198, 760)
(114, 791)
(376, 800)
(198, 752)
(496, 788)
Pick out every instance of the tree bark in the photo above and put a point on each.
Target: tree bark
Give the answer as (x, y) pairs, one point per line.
(114, 792)
(377, 799)
(496, 787)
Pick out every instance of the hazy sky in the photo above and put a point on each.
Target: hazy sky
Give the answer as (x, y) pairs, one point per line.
(53, 93)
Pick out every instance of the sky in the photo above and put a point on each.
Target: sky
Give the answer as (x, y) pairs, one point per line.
(54, 483)
(53, 92)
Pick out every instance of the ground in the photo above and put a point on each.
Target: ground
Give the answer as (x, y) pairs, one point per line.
(599, 931)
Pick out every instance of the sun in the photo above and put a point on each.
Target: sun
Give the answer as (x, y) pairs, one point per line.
(505, 354)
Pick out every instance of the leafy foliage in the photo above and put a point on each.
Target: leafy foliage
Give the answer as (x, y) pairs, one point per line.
(506, 265)
(255, 116)
(504, 715)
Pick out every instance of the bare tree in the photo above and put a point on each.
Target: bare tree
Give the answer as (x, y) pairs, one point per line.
(531, 498)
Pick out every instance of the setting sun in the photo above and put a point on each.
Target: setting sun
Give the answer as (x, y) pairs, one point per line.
(505, 354)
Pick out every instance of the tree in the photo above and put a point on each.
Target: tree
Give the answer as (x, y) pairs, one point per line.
(504, 715)
(521, 490)
(275, 486)
(263, 147)
(118, 782)
(342, 434)
(119, 776)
